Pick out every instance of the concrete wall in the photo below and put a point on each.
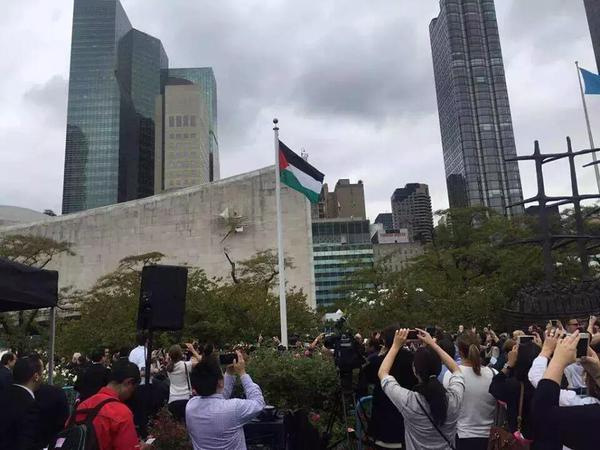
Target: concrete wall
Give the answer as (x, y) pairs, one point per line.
(186, 226)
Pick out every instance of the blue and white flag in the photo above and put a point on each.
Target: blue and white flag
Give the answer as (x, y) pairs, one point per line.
(592, 82)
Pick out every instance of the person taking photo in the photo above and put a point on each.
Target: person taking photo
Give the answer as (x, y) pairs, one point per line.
(430, 411)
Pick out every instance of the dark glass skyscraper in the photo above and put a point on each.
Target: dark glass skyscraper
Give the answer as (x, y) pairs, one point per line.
(592, 9)
(117, 73)
(474, 111)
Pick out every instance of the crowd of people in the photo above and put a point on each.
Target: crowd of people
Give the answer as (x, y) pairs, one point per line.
(430, 389)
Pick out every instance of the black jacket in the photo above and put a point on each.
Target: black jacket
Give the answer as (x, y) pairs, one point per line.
(54, 409)
(19, 420)
(5, 377)
(555, 426)
(508, 390)
(92, 379)
(387, 424)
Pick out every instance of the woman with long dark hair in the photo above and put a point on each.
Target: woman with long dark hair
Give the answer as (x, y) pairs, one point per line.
(512, 386)
(178, 371)
(430, 411)
(477, 413)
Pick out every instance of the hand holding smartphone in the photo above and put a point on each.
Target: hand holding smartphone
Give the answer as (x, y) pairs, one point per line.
(582, 345)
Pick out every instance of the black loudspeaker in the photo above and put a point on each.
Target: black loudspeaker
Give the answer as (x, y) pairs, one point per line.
(162, 298)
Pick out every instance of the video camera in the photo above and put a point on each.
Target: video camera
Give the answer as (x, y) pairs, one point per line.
(346, 352)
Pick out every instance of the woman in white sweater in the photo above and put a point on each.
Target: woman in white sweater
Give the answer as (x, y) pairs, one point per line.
(478, 407)
(178, 371)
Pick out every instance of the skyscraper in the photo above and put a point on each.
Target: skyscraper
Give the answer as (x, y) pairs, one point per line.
(204, 77)
(411, 209)
(96, 152)
(474, 111)
(182, 149)
(116, 74)
(592, 9)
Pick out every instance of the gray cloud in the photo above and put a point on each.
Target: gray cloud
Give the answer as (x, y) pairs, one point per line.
(51, 98)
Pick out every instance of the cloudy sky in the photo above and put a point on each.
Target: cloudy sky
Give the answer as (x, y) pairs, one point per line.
(350, 81)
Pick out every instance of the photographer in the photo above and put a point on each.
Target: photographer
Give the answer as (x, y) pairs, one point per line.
(178, 371)
(383, 410)
(431, 411)
(571, 426)
(213, 420)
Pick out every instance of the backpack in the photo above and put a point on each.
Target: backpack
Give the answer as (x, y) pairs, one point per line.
(80, 435)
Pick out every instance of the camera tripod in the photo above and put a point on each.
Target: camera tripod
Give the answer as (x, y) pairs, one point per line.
(342, 398)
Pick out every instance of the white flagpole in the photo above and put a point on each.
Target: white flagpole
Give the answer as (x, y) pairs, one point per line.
(589, 128)
(280, 250)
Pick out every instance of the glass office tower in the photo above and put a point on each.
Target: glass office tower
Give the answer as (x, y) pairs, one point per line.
(114, 78)
(474, 111)
(205, 78)
(141, 60)
(340, 248)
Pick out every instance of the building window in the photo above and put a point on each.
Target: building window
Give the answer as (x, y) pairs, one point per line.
(192, 121)
(186, 121)
(179, 121)
(171, 121)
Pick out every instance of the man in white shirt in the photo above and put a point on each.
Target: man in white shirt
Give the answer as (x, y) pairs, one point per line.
(138, 355)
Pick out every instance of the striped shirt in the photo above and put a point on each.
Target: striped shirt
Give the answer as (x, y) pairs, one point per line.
(217, 422)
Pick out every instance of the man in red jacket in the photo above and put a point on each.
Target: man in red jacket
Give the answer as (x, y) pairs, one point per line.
(114, 425)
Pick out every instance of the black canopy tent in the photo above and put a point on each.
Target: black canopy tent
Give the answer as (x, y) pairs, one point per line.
(23, 288)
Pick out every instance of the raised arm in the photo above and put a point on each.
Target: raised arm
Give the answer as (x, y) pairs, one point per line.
(254, 403)
(390, 357)
(196, 357)
(447, 360)
(564, 355)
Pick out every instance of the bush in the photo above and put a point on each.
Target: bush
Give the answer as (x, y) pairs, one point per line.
(290, 380)
(169, 433)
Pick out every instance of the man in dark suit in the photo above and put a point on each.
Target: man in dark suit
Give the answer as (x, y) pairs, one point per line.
(7, 362)
(94, 377)
(19, 413)
(54, 411)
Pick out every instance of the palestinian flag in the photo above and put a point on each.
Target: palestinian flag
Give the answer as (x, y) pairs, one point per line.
(298, 174)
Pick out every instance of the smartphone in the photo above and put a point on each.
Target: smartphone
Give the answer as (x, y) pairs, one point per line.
(413, 335)
(525, 338)
(554, 323)
(227, 358)
(583, 344)
(150, 441)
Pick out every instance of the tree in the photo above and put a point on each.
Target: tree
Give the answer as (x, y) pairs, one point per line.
(108, 311)
(474, 266)
(217, 311)
(33, 251)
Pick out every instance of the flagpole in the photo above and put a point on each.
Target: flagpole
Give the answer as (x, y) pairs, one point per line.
(280, 252)
(589, 128)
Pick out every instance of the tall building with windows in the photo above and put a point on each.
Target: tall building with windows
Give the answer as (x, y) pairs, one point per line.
(182, 149)
(474, 111)
(340, 248)
(116, 74)
(411, 210)
(204, 77)
(592, 9)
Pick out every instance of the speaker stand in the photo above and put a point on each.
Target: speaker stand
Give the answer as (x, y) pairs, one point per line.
(149, 356)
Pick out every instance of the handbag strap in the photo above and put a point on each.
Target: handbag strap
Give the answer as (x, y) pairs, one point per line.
(187, 377)
(435, 426)
(520, 416)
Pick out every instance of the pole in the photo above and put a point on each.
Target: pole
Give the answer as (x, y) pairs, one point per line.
(51, 350)
(589, 128)
(280, 252)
